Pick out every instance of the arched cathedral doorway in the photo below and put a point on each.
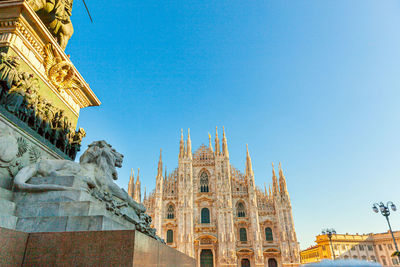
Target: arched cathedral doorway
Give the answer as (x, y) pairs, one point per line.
(245, 263)
(206, 258)
(272, 263)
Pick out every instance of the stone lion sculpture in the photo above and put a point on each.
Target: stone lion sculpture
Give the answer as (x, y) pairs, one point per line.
(96, 170)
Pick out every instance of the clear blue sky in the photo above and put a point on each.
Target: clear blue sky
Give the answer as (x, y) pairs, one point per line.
(313, 84)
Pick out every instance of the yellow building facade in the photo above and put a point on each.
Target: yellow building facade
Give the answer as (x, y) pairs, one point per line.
(368, 247)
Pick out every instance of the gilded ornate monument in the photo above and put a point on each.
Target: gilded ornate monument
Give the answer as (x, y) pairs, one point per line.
(42, 189)
(41, 92)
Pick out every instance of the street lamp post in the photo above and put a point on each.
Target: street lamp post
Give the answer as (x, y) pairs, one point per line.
(386, 212)
(329, 233)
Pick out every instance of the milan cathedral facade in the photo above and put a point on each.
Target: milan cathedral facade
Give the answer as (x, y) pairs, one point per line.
(211, 211)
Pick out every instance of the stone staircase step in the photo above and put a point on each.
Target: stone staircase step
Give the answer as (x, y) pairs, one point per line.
(6, 194)
(8, 221)
(68, 223)
(6, 207)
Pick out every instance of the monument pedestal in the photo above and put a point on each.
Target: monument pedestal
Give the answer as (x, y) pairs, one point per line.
(94, 248)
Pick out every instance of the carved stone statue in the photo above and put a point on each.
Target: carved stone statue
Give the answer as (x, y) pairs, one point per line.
(55, 14)
(24, 85)
(8, 68)
(96, 169)
(19, 95)
(76, 142)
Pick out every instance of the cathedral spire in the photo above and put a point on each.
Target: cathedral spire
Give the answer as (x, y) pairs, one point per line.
(137, 177)
(189, 146)
(275, 188)
(225, 151)
(209, 143)
(265, 189)
(165, 176)
(249, 166)
(131, 184)
(181, 146)
(159, 170)
(270, 192)
(217, 150)
(282, 181)
(145, 197)
(184, 149)
(138, 195)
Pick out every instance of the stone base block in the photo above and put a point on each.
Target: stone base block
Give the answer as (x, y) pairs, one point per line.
(6, 207)
(8, 221)
(46, 209)
(6, 194)
(68, 223)
(52, 196)
(97, 248)
(12, 247)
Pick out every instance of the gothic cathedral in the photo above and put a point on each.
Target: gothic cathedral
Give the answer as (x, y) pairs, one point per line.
(211, 211)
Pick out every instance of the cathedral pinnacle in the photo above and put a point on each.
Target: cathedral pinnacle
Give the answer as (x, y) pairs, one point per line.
(181, 146)
(189, 146)
(209, 143)
(275, 188)
(131, 184)
(249, 166)
(159, 170)
(225, 151)
(282, 181)
(137, 195)
(270, 192)
(137, 177)
(217, 150)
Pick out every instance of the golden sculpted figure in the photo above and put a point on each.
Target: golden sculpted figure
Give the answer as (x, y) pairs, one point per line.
(60, 72)
(55, 14)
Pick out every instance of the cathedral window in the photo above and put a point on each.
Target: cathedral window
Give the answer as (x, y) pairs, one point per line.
(240, 210)
(170, 212)
(243, 234)
(205, 215)
(170, 236)
(268, 234)
(204, 182)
